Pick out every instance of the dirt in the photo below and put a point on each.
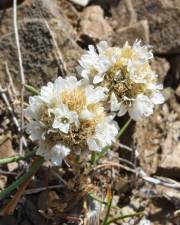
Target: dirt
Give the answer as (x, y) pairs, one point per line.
(53, 37)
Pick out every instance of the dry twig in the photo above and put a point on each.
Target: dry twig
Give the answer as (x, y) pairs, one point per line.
(21, 70)
(141, 174)
(9, 107)
(11, 83)
(58, 55)
(37, 190)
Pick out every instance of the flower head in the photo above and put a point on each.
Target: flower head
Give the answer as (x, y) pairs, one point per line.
(128, 76)
(68, 117)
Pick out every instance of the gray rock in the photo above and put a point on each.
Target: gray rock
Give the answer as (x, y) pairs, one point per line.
(161, 66)
(164, 22)
(93, 23)
(139, 30)
(40, 55)
(123, 14)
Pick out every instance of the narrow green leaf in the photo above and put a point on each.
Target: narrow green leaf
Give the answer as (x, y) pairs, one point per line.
(101, 154)
(21, 179)
(93, 157)
(31, 89)
(108, 208)
(115, 219)
(17, 158)
(122, 130)
(102, 201)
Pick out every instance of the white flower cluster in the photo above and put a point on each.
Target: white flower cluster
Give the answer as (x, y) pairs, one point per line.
(127, 74)
(68, 116)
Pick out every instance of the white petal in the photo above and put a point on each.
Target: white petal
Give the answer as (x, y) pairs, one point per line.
(95, 95)
(152, 86)
(122, 109)
(104, 64)
(61, 126)
(81, 2)
(35, 108)
(47, 92)
(61, 114)
(104, 135)
(115, 105)
(102, 46)
(85, 74)
(141, 107)
(97, 79)
(86, 115)
(58, 153)
(94, 144)
(157, 98)
(74, 119)
(35, 129)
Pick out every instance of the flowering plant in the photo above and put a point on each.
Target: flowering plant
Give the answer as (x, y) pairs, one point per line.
(68, 117)
(127, 74)
(73, 116)
(71, 119)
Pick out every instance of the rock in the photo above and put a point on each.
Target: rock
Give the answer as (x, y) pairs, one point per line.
(157, 141)
(40, 55)
(170, 150)
(69, 10)
(139, 30)
(161, 67)
(93, 23)
(6, 150)
(123, 14)
(163, 17)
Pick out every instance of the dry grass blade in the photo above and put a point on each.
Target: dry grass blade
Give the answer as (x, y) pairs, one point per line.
(21, 72)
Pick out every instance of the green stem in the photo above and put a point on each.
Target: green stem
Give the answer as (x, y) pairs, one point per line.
(31, 89)
(123, 217)
(102, 202)
(122, 130)
(93, 158)
(17, 158)
(102, 153)
(20, 180)
(108, 209)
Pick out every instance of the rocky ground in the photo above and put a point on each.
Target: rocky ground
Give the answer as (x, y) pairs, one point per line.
(53, 37)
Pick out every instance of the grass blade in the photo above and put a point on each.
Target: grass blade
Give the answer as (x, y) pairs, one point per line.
(115, 219)
(31, 89)
(34, 167)
(122, 130)
(108, 208)
(17, 158)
